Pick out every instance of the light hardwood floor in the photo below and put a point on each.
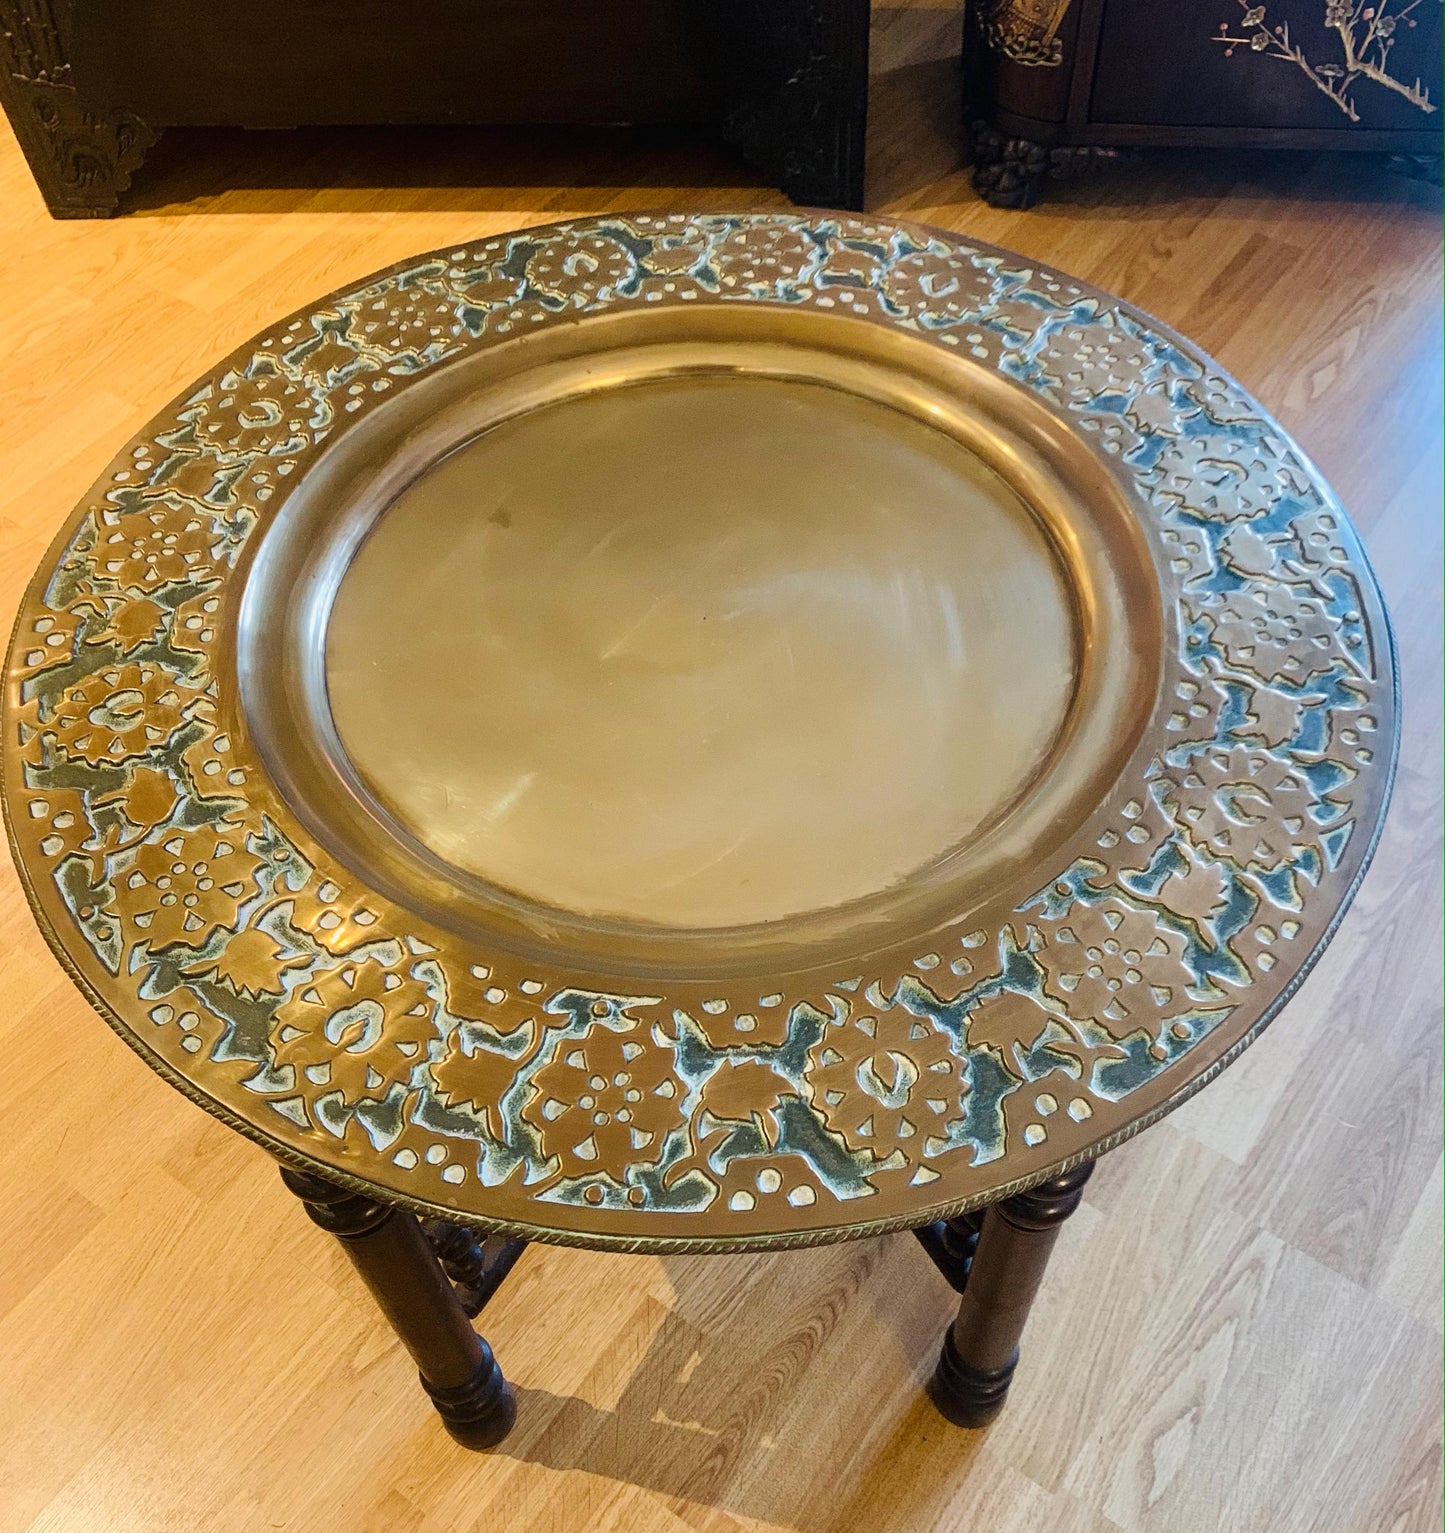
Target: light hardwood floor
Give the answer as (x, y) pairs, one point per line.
(1241, 1328)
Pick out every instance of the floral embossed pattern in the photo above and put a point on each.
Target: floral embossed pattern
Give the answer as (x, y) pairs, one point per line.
(343, 1030)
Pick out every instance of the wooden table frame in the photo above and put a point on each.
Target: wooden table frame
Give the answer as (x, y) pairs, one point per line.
(432, 1278)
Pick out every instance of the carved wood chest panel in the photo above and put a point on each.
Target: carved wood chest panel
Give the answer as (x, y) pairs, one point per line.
(1053, 82)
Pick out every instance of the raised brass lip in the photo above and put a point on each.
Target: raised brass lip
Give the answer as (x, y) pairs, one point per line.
(1112, 665)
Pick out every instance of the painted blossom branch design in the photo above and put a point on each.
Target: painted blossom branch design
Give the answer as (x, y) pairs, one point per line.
(1367, 30)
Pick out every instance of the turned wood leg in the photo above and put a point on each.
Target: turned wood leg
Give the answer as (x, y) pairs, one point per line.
(981, 1351)
(81, 160)
(387, 1247)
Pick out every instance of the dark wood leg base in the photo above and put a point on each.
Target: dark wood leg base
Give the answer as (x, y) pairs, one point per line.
(1010, 172)
(390, 1252)
(981, 1351)
(481, 1412)
(969, 1397)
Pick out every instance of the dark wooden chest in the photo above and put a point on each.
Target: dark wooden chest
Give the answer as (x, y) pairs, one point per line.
(87, 84)
(1044, 76)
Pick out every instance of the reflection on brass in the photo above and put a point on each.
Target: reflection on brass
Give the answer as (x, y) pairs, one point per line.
(699, 730)
(718, 650)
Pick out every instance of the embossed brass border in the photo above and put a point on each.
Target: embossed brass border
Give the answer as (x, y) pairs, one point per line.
(1225, 862)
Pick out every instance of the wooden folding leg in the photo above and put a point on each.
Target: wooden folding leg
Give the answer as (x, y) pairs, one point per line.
(981, 1351)
(397, 1263)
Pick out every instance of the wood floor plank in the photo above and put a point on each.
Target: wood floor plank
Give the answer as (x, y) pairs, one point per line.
(1411, 1277)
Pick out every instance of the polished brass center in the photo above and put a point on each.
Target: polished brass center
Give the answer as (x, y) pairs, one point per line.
(702, 651)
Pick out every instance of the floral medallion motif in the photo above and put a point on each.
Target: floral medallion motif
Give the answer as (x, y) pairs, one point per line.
(608, 1100)
(1277, 635)
(883, 1082)
(357, 1037)
(420, 326)
(358, 1028)
(183, 888)
(938, 293)
(602, 263)
(119, 713)
(1243, 806)
(141, 550)
(1222, 478)
(1115, 965)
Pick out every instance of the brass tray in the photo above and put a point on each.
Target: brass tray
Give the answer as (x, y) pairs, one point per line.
(699, 731)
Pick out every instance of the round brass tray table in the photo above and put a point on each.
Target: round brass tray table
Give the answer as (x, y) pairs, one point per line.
(677, 732)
